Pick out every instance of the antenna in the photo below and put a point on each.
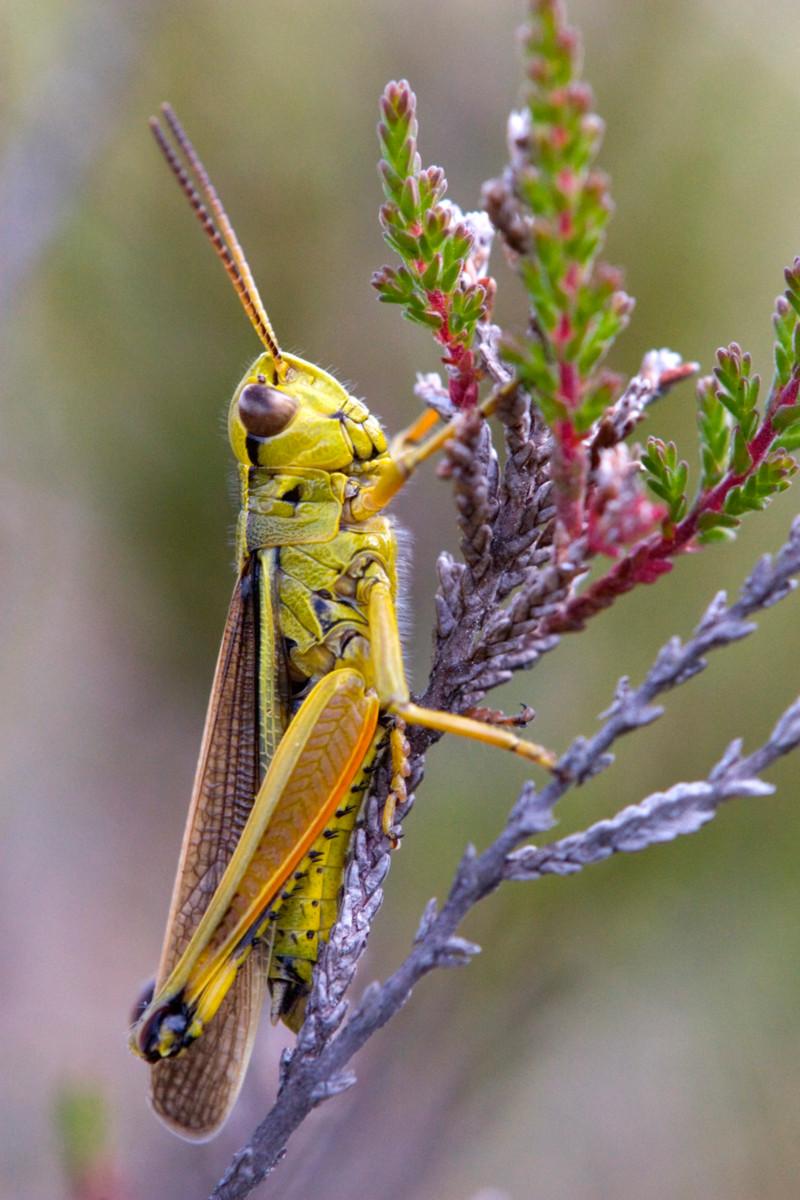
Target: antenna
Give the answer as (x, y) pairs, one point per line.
(220, 233)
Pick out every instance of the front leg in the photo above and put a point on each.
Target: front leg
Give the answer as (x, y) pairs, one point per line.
(414, 433)
(406, 454)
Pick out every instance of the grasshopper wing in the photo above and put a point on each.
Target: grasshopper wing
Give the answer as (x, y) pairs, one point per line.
(215, 957)
(310, 774)
(194, 1094)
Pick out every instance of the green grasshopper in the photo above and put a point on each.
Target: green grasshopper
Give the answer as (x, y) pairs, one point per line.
(309, 690)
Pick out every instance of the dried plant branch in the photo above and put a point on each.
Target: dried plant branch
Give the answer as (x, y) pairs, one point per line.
(318, 1068)
(662, 817)
(565, 489)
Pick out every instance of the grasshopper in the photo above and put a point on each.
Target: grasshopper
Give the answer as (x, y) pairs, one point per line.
(309, 691)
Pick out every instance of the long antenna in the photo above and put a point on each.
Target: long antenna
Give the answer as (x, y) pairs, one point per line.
(225, 243)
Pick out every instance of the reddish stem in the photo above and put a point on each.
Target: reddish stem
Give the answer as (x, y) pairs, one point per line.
(569, 469)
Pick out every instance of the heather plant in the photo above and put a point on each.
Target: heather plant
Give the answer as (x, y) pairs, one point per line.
(556, 525)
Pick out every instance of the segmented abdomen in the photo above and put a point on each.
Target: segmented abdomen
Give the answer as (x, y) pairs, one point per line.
(310, 910)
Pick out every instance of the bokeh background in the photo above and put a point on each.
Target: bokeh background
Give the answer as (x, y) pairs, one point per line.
(631, 1032)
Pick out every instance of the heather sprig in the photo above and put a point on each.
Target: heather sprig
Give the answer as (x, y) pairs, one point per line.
(714, 433)
(744, 461)
(553, 193)
(667, 476)
(786, 323)
(436, 285)
(552, 207)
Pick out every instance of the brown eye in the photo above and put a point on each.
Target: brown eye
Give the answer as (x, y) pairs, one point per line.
(264, 411)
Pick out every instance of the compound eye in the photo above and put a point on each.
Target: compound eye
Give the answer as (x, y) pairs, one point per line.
(264, 411)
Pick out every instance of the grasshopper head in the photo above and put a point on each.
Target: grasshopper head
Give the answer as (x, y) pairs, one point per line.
(285, 412)
(294, 414)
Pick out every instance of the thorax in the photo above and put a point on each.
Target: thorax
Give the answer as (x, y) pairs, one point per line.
(316, 561)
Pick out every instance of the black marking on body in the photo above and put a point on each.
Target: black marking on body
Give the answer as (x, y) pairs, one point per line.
(176, 1017)
(347, 638)
(291, 974)
(322, 610)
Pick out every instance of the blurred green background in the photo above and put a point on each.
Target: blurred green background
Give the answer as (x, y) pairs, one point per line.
(628, 1033)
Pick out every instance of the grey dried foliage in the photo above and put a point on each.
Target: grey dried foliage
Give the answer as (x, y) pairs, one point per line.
(664, 816)
(489, 606)
(490, 609)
